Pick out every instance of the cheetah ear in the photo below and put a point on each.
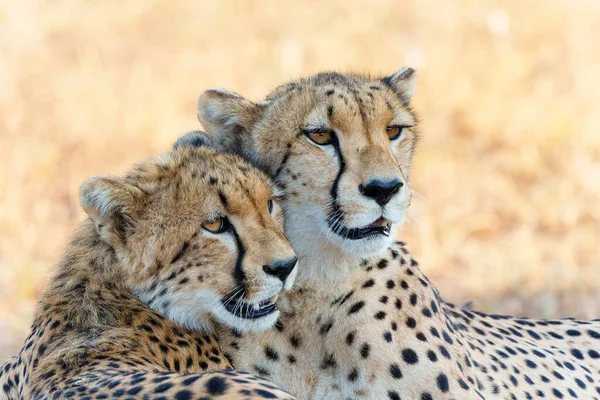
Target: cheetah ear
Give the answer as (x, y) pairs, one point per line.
(228, 118)
(112, 205)
(403, 83)
(193, 139)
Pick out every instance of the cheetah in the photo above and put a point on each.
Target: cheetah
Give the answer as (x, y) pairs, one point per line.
(363, 322)
(184, 239)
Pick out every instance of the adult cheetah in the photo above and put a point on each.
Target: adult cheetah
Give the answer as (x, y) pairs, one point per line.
(364, 322)
(185, 238)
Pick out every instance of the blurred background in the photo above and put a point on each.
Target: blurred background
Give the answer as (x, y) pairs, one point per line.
(507, 171)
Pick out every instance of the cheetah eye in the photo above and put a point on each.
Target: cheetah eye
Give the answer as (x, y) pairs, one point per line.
(219, 225)
(270, 205)
(395, 132)
(322, 137)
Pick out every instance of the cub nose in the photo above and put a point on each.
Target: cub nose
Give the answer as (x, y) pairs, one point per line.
(281, 269)
(380, 191)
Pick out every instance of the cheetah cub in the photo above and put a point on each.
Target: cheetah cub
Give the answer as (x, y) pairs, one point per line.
(183, 239)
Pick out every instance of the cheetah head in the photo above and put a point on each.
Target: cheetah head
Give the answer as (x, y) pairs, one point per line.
(340, 145)
(197, 234)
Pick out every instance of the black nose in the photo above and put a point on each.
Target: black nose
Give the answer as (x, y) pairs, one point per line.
(281, 269)
(381, 191)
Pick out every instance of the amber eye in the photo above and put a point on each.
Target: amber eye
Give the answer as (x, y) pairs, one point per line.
(321, 137)
(217, 226)
(394, 132)
(270, 205)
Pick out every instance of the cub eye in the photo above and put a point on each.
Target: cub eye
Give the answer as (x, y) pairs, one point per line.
(217, 226)
(321, 137)
(270, 205)
(394, 132)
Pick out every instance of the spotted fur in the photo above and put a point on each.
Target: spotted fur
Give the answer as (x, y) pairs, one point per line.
(129, 311)
(364, 322)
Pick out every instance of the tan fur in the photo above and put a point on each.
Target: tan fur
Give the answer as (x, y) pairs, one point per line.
(142, 255)
(364, 322)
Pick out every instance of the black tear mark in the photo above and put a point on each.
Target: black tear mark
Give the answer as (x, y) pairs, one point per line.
(238, 273)
(181, 253)
(283, 162)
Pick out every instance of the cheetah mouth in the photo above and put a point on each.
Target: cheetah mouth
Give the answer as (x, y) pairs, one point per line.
(245, 310)
(380, 227)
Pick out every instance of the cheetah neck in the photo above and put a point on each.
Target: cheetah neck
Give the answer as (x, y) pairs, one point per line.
(323, 264)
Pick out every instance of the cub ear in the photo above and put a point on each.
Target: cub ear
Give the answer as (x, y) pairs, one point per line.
(228, 117)
(112, 205)
(193, 139)
(403, 83)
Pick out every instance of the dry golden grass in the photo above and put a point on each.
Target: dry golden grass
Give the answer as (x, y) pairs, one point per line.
(508, 166)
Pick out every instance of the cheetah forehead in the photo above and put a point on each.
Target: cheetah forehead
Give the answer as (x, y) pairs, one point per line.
(191, 164)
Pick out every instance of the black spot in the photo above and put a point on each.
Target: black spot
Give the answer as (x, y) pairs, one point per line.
(330, 92)
(380, 315)
(382, 264)
(356, 307)
(444, 352)
(393, 395)
(271, 353)
(262, 371)
(164, 387)
(353, 375)
(442, 382)
(413, 299)
(398, 304)
(447, 338)
(387, 336)
(577, 354)
(432, 356)
(184, 395)
(409, 356)
(326, 327)
(350, 338)
(395, 371)
(265, 394)
(216, 386)
(365, 350)
(329, 362)
(369, 283)
(295, 341)
(346, 297)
